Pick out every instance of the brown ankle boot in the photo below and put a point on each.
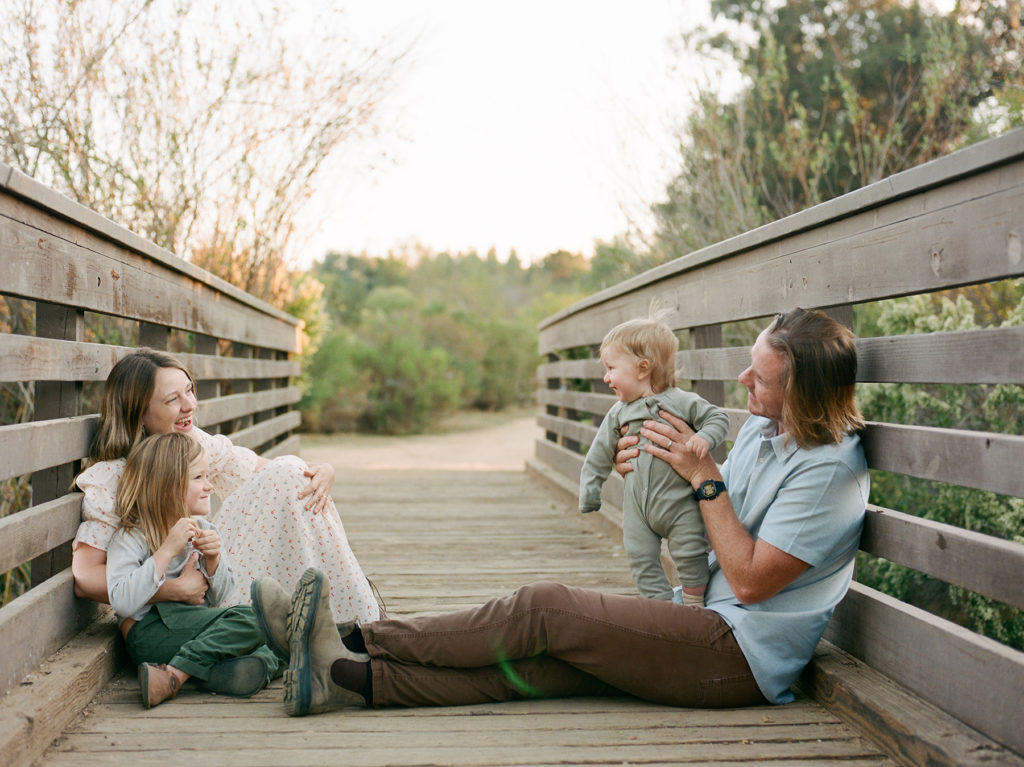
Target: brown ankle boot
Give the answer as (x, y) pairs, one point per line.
(157, 684)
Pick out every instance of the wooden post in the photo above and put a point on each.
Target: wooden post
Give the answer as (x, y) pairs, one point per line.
(709, 337)
(55, 399)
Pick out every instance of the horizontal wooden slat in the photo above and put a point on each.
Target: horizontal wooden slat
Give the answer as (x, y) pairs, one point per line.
(35, 714)
(289, 446)
(27, 534)
(917, 733)
(29, 447)
(569, 464)
(939, 231)
(984, 356)
(974, 678)
(988, 356)
(265, 431)
(37, 623)
(585, 402)
(27, 358)
(220, 409)
(564, 427)
(982, 460)
(48, 260)
(981, 563)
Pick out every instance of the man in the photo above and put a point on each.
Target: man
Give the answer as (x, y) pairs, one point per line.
(783, 516)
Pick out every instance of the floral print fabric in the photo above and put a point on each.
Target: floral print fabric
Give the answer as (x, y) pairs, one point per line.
(263, 524)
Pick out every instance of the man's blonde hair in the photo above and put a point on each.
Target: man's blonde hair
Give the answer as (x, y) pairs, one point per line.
(651, 340)
(818, 377)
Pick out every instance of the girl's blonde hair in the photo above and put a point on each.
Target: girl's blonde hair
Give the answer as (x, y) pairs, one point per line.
(651, 340)
(126, 395)
(151, 492)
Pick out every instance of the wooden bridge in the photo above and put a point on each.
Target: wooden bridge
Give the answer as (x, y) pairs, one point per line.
(891, 684)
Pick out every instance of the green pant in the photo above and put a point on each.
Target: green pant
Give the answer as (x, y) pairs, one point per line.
(193, 638)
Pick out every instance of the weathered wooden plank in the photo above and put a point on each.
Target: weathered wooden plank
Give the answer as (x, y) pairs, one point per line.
(222, 409)
(79, 224)
(598, 404)
(38, 710)
(37, 624)
(964, 232)
(27, 358)
(981, 563)
(982, 460)
(90, 273)
(28, 447)
(976, 679)
(894, 719)
(265, 431)
(289, 446)
(988, 356)
(34, 531)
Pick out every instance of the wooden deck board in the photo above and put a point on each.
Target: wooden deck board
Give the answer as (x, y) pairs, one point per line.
(488, 533)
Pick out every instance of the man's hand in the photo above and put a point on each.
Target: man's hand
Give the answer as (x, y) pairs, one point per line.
(668, 442)
(625, 451)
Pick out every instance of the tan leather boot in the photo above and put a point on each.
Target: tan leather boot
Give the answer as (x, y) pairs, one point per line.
(157, 684)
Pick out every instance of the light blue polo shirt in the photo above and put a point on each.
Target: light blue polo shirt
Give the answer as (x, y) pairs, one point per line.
(809, 503)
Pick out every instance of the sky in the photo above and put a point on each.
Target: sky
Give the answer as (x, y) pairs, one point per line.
(533, 125)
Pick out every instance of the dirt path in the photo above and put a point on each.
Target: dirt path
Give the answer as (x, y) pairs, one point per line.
(489, 442)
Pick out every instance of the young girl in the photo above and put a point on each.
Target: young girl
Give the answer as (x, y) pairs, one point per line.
(162, 499)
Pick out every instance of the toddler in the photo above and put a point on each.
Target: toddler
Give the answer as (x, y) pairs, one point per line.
(639, 359)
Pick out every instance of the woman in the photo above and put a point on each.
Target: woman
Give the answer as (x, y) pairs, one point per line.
(276, 518)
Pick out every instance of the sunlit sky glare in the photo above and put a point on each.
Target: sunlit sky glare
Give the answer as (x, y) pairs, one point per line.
(534, 125)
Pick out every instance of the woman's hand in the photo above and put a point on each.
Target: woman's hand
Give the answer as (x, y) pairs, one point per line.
(321, 479)
(189, 587)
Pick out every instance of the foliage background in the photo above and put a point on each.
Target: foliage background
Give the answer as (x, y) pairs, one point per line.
(836, 94)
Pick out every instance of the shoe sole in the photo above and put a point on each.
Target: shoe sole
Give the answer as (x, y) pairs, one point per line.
(144, 685)
(261, 619)
(298, 682)
(240, 677)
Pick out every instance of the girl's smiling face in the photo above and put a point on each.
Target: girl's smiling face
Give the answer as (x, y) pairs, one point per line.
(197, 496)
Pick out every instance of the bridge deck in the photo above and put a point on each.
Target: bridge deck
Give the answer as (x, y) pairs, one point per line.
(436, 541)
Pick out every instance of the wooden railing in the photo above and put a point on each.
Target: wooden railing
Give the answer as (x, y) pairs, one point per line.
(953, 222)
(68, 270)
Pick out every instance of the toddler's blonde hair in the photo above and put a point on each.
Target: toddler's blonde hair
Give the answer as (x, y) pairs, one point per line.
(648, 339)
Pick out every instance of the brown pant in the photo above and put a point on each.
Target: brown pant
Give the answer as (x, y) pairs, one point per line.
(550, 640)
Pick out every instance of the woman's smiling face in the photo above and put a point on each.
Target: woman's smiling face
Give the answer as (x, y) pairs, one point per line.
(173, 404)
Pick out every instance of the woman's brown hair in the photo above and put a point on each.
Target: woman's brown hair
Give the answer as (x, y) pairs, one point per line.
(819, 376)
(126, 395)
(151, 492)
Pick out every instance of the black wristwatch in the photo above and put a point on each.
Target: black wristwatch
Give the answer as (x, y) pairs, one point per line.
(708, 490)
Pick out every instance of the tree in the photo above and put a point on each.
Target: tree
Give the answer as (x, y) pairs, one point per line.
(200, 127)
(838, 94)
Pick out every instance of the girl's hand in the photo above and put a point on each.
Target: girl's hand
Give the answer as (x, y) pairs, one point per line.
(318, 491)
(183, 531)
(207, 543)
